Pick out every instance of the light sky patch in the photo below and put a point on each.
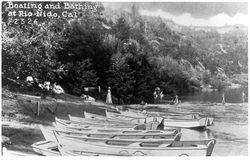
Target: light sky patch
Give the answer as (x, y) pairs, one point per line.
(187, 19)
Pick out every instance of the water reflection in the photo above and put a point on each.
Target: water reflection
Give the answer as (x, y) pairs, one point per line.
(230, 128)
(231, 96)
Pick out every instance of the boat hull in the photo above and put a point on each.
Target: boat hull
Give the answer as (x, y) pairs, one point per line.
(93, 124)
(202, 148)
(126, 138)
(46, 148)
(133, 118)
(187, 123)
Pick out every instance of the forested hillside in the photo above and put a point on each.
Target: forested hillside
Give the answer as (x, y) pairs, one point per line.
(129, 52)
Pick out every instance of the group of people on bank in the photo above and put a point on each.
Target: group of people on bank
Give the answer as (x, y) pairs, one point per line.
(47, 88)
(158, 97)
(158, 94)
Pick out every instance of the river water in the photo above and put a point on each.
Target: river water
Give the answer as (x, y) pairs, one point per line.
(230, 128)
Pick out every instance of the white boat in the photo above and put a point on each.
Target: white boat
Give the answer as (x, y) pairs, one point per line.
(174, 115)
(121, 138)
(97, 120)
(93, 124)
(147, 126)
(187, 116)
(209, 120)
(115, 148)
(114, 131)
(187, 123)
(151, 122)
(145, 134)
(46, 148)
(144, 119)
(61, 124)
(67, 151)
(133, 114)
(194, 115)
(124, 120)
(50, 148)
(121, 116)
(65, 126)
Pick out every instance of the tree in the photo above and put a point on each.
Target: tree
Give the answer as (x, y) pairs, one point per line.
(122, 29)
(31, 51)
(121, 78)
(79, 75)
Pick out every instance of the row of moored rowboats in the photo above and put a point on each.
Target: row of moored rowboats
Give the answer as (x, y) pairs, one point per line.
(124, 134)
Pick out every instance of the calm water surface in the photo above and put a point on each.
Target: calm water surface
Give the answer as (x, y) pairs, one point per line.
(231, 96)
(230, 127)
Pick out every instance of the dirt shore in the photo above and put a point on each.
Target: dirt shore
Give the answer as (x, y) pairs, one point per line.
(20, 120)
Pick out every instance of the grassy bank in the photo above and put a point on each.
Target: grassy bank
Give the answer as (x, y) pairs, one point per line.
(20, 120)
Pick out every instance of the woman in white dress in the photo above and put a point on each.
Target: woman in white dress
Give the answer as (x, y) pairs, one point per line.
(108, 98)
(223, 98)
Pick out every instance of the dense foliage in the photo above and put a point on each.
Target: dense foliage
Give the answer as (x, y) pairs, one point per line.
(131, 53)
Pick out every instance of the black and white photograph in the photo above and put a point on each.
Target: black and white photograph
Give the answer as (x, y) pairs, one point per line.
(124, 78)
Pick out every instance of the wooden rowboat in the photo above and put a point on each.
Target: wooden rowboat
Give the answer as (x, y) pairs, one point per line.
(95, 117)
(61, 124)
(144, 119)
(121, 116)
(121, 138)
(67, 152)
(157, 134)
(46, 148)
(50, 148)
(115, 131)
(147, 126)
(187, 123)
(151, 122)
(171, 115)
(115, 148)
(111, 130)
(114, 119)
(93, 124)
(188, 116)
(97, 121)
(209, 120)
(133, 114)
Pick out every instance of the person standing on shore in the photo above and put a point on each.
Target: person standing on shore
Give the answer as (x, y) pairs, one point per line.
(99, 92)
(155, 96)
(243, 97)
(223, 98)
(161, 96)
(108, 98)
(53, 90)
(176, 101)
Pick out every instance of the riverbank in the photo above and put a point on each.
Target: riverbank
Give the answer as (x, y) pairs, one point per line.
(20, 120)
